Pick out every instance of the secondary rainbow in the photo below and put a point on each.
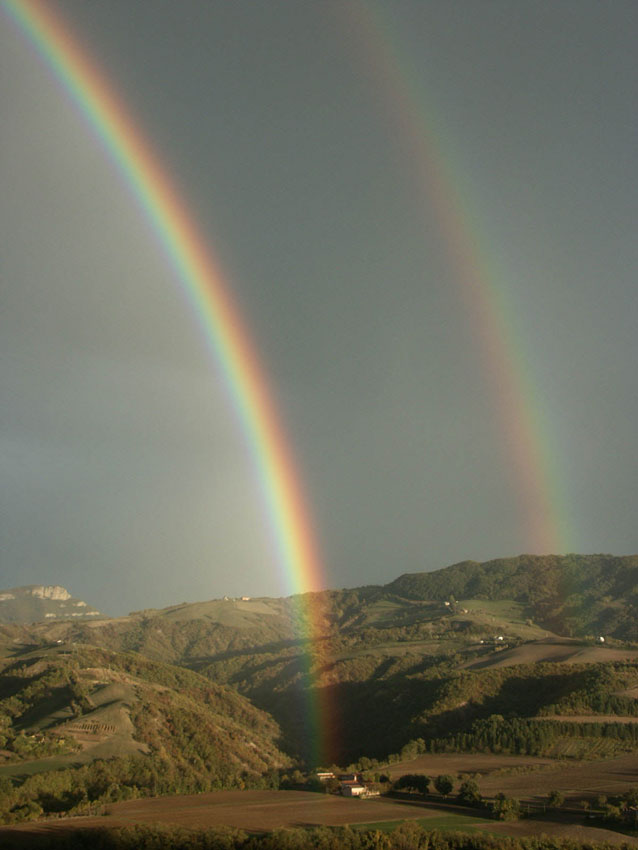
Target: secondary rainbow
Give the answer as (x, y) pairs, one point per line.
(481, 282)
(201, 279)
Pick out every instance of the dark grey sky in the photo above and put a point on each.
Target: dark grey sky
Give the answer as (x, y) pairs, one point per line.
(124, 475)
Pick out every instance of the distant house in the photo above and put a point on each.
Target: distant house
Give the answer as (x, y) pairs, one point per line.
(325, 775)
(353, 789)
(245, 599)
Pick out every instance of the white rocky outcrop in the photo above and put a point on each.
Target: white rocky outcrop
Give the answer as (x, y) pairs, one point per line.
(51, 591)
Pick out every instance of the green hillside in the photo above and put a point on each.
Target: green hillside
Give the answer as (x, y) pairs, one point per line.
(571, 594)
(476, 631)
(151, 728)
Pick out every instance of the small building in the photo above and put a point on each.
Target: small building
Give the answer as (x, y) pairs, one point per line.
(353, 789)
(245, 599)
(325, 775)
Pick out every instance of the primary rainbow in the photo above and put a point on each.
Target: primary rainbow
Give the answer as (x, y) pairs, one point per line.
(202, 281)
(481, 283)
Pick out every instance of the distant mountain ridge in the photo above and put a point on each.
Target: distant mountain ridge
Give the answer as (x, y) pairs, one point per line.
(40, 602)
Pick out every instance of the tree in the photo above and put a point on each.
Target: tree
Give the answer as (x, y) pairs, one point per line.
(444, 784)
(469, 793)
(555, 799)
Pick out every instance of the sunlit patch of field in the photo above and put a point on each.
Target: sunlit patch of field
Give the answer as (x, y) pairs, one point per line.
(556, 650)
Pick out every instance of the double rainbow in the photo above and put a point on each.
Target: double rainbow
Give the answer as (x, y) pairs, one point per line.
(228, 342)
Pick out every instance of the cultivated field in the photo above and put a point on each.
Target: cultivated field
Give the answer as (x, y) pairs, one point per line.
(456, 763)
(581, 780)
(258, 811)
(529, 778)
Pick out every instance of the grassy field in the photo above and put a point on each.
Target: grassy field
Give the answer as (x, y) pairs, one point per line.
(442, 823)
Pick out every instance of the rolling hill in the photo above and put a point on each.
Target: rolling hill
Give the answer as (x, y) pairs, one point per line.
(70, 708)
(477, 631)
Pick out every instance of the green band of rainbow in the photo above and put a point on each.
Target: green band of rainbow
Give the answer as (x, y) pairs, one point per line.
(202, 281)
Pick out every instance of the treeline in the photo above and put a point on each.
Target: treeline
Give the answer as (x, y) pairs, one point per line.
(87, 789)
(519, 736)
(409, 835)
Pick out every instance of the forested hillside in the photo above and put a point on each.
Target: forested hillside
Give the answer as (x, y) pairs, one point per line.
(113, 725)
(571, 594)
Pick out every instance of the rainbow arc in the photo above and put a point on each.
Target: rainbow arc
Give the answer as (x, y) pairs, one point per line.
(209, 293)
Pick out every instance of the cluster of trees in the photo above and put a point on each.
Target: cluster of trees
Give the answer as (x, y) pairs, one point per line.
(419, 783)
(409, 835)
(88, 788)
(521, 736)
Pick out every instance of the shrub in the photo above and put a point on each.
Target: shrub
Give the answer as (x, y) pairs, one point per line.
(505, 808)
